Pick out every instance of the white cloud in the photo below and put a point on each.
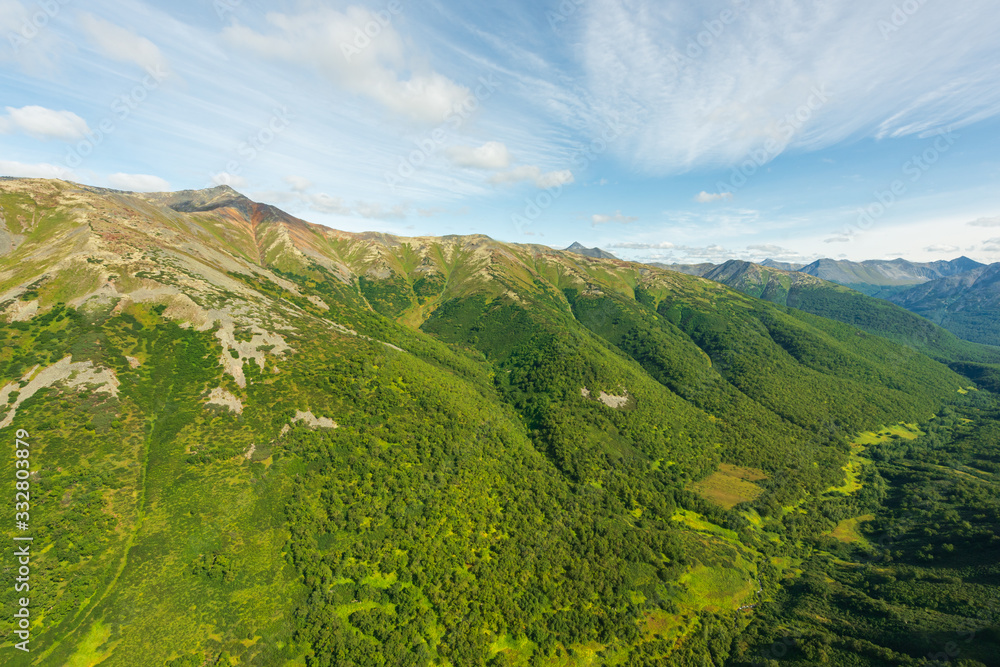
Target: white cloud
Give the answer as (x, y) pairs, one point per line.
(324, 203)
(941, 247)
(491, 155)
(555, 179)
(990, 245)
(232, 180)
(43, 123)
(986, 222)
(838, 239)
(617, 217)
(797, 75)
(298, 183)
(643, 246)
(552, 179)
(42, 170)
(380, 71)
(378, 211)
(138, 183)
(123, 45)
(707, 197)
(769, 248)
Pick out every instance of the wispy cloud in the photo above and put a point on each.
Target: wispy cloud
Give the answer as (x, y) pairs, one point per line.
(535, 175)
(986, 222)
(708, 197)
(942, 247)
(643, 246)
(298, 183)
(299, 193)
(696, 91)
(378, 67)
(124, 45)
(616, 218)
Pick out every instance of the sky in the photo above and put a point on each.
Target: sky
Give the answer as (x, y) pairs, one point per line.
(667, 130)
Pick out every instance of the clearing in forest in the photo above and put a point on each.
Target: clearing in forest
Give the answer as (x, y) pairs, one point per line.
(730, 485)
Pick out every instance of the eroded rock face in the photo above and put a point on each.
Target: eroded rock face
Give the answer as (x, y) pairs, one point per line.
(613, 401)
(313, 421)
(247, 350)
(609, 400)
(225, 399)
(74, 375)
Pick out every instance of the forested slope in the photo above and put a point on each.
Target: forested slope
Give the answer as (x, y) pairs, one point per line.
(260, 441)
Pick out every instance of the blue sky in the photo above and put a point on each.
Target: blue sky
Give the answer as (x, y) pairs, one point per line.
(661, 131)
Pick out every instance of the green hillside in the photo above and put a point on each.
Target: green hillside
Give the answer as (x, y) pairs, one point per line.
(257, 441)
(829, 300)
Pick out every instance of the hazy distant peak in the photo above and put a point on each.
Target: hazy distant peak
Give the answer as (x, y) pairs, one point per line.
(579, 249)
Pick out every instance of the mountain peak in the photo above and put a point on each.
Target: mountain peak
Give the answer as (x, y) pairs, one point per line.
(208, 199)
(580, 249)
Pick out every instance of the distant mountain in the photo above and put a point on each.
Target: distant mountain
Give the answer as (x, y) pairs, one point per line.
(967, 304)
(689, 269)
(885, 277)
(580, 249)
(827, 299)
(784, 266)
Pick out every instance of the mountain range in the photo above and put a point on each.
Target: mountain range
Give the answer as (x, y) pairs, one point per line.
(960, 294)
(256, 440)
(967, 303)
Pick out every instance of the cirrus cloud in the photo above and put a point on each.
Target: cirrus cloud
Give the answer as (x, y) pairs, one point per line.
(123, 45)
(381, 71)
(552, 179)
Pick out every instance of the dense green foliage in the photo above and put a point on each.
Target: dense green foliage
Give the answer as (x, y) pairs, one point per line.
(923, 588)
(484, 455)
